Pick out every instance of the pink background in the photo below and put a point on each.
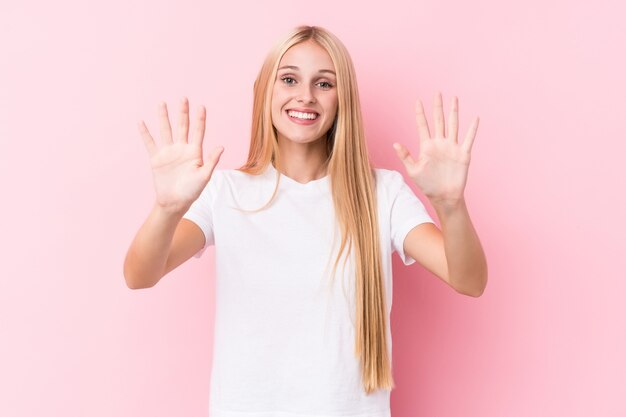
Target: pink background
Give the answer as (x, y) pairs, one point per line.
(545, 192)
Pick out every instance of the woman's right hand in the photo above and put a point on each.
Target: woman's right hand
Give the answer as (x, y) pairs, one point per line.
(179, 172)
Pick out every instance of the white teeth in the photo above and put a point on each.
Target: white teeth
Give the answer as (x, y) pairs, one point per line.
(300, 115)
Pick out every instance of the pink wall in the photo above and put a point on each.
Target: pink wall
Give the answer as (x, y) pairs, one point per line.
(545, 191)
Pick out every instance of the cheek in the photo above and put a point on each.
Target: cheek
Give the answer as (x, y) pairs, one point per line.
(278, 100)
(333, 100)
(332, 106)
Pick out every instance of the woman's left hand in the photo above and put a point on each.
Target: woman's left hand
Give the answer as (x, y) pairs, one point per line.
(441, 168)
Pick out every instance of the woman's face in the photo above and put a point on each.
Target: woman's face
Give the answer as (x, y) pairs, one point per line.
(304, 99)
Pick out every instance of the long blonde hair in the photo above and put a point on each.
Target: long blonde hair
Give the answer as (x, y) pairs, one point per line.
(353, 189)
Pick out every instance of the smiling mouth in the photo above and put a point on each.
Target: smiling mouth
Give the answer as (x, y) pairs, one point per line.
(302, 115)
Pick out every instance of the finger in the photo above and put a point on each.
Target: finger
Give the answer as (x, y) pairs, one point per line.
(404, 155)
(183, 121)
(147, 138)
(453, 121)
(438, 116)
(166, 129)
(198, 133)
(422, 124)
(471, 134)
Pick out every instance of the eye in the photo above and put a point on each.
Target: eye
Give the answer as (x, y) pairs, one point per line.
(325, 85)
(288, 80)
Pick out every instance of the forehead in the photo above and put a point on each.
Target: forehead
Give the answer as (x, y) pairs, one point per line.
(307, 55)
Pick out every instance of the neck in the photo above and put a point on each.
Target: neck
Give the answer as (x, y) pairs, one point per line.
(303, 162)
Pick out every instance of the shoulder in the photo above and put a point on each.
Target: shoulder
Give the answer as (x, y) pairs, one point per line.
(387, 174)
(234, 176)
(238, 184)
(217, 177)
(388, 181)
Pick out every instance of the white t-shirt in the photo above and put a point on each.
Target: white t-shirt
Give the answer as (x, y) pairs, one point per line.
(284, 337)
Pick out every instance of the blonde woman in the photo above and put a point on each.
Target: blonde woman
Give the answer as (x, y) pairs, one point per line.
(303, 235)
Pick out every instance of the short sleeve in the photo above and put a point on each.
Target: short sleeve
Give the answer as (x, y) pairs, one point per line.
(201, 212)
(407, 211)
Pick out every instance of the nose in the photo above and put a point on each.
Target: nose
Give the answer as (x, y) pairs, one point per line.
(306, 95)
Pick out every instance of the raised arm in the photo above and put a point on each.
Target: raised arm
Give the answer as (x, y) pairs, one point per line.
(166, 240)
(453, 253)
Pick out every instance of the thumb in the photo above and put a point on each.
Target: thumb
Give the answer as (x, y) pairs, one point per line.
(404, 154)
(211, 161)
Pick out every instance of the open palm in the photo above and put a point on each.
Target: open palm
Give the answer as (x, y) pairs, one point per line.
(442, 165)
(179, 171)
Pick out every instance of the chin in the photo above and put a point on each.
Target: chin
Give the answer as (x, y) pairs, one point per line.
(301, 140)
(299, 137)
(305, 139)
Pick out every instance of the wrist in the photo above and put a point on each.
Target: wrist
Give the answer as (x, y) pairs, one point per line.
(446, 206)
(168, 211)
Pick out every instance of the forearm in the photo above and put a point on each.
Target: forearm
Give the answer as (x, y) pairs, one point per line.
(467, 266)
(147, 255)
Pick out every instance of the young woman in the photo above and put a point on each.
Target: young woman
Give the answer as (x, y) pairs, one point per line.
(303, 235)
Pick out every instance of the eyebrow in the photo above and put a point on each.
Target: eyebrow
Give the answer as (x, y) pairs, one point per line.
(293, 67)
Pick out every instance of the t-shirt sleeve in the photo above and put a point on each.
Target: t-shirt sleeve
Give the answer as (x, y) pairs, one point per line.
(201, 212)
(407, 211)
